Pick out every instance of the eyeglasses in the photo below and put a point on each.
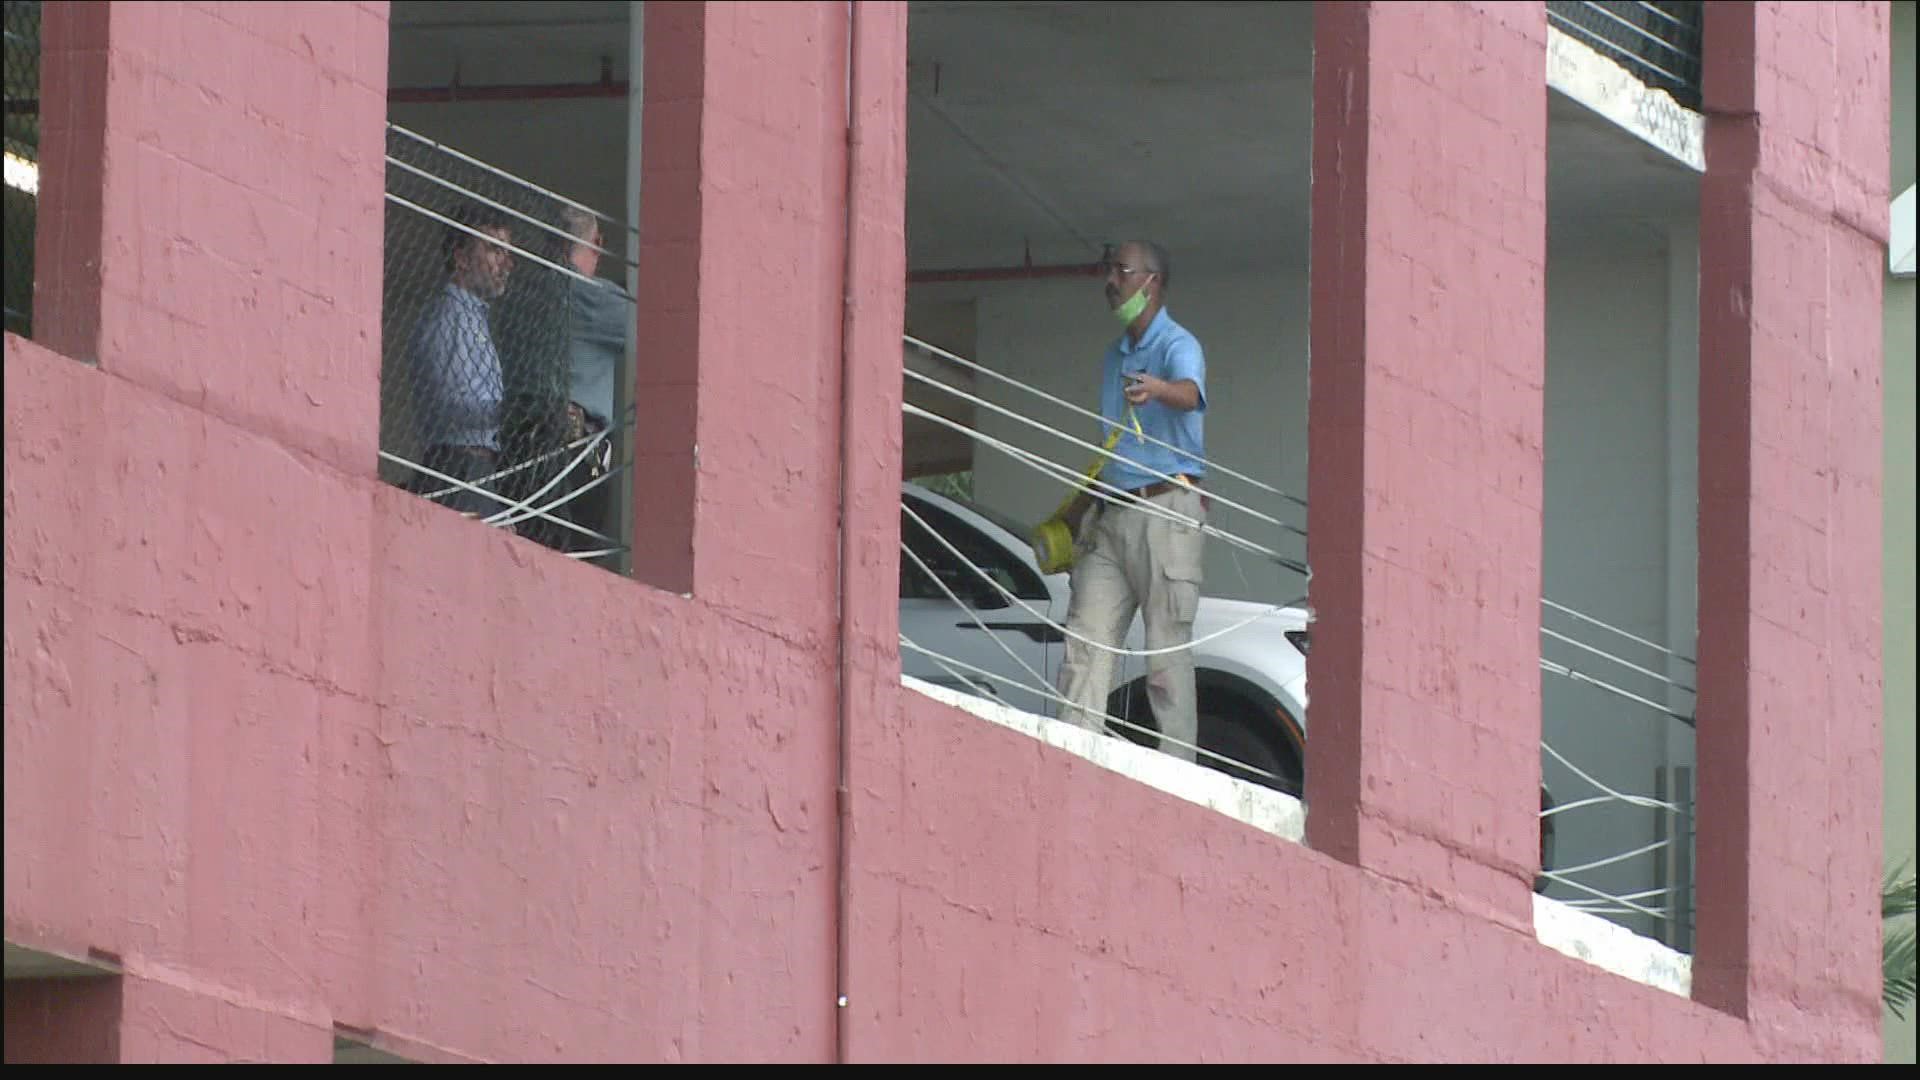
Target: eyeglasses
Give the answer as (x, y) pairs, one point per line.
(1110, 268)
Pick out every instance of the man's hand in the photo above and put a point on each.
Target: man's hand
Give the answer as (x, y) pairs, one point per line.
(1182, 395)
(1076, 512)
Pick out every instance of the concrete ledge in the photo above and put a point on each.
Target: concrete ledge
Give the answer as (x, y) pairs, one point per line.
(1611, 947)
(359, 1050)
(27, 962)
(1568, 930)
(1264, 809)
(1593, 80)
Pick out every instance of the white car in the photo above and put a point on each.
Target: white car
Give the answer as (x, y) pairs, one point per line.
(1252, 681)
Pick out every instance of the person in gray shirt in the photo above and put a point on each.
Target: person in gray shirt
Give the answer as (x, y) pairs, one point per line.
(455, 366)
(600, 318)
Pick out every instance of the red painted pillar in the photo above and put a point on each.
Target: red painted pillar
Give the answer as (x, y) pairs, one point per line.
(1428, 334)
(773, 291)
(211, 206)
(743, 299)
(211, 209)
(666, 379)
(63, 1021)
(1792, 235)
(130, 1020)
(870, 563)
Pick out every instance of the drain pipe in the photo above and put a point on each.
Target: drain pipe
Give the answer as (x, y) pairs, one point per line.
(843, 791)
(1027, 271)
(455, 91)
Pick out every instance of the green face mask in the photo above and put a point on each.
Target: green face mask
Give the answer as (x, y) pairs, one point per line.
(1134, 305)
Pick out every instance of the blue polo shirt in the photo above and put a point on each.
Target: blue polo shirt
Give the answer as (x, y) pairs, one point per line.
(1166, 351)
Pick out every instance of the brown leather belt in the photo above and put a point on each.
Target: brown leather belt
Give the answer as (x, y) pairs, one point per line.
(1161, 487)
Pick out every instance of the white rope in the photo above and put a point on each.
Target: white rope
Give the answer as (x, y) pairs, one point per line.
(942, 662)
(503, 174)
(1103, 647)
(500, 517)
(1675, 683)
(977, 620)
(1610, 860)
(1593, 906)
(1223, 470)
(1164, 738)
(499, 474)
(542, 512)
(1114, 496)
(462, 485)
(1597, 800)
(497, 242)
(1554, 875)
(1644, 894)
(1565, 610)
(500, 206)
(1096, 447)
(1582, 677)
(1037, 392)
(1119, 496)
(1631, 800)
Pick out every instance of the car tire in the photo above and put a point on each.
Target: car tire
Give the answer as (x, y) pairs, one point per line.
(1240, 733)
(1229, 727)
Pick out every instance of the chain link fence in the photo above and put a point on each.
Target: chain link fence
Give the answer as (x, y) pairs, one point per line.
(22, 142)
(501, 350)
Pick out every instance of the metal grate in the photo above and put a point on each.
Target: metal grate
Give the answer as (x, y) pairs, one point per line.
(1658, 42)
(500, 351)
(22, 142)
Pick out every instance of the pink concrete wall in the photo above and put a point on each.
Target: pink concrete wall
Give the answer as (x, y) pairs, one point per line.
(1793, 244)
(1429, 346)
(63, 1021)
(334, 751)
(1014, 902)
(302, 750)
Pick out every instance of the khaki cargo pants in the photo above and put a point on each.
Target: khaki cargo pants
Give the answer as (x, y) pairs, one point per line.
(1130, 559)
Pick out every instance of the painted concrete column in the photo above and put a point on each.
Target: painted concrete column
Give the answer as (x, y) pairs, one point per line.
(666, 355)
(63, 1021)
(1792, 235)
(772, 295)
(211, 208)
(1425, 439)
(130, 1020)
(743, 249)
(870, 474)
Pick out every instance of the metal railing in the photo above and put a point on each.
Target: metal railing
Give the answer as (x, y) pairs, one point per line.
(1652, 883)
(1598, 657)
(22, 147)
(1658, 42)
(502, 349)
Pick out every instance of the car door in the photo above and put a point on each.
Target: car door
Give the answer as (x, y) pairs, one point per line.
(985, 630)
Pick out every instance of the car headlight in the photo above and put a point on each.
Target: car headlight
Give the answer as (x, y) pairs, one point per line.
(1301, 639)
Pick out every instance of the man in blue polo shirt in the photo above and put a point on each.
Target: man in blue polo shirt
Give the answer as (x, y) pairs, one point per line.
(1129, 554)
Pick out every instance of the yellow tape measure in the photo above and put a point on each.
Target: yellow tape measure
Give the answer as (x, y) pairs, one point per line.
(1053, 541)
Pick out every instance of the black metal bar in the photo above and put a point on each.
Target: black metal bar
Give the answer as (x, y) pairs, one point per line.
(1658, 43)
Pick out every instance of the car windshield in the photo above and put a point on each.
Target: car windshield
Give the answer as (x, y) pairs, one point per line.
(1019, 531)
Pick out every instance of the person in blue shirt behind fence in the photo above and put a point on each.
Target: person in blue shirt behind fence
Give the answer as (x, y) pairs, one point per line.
(455, 366)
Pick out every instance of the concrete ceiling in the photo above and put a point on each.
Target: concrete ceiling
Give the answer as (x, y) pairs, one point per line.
(1061, 126)
(1035, 130)
(1054, 127)
(1047, 129)
(506, 41)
